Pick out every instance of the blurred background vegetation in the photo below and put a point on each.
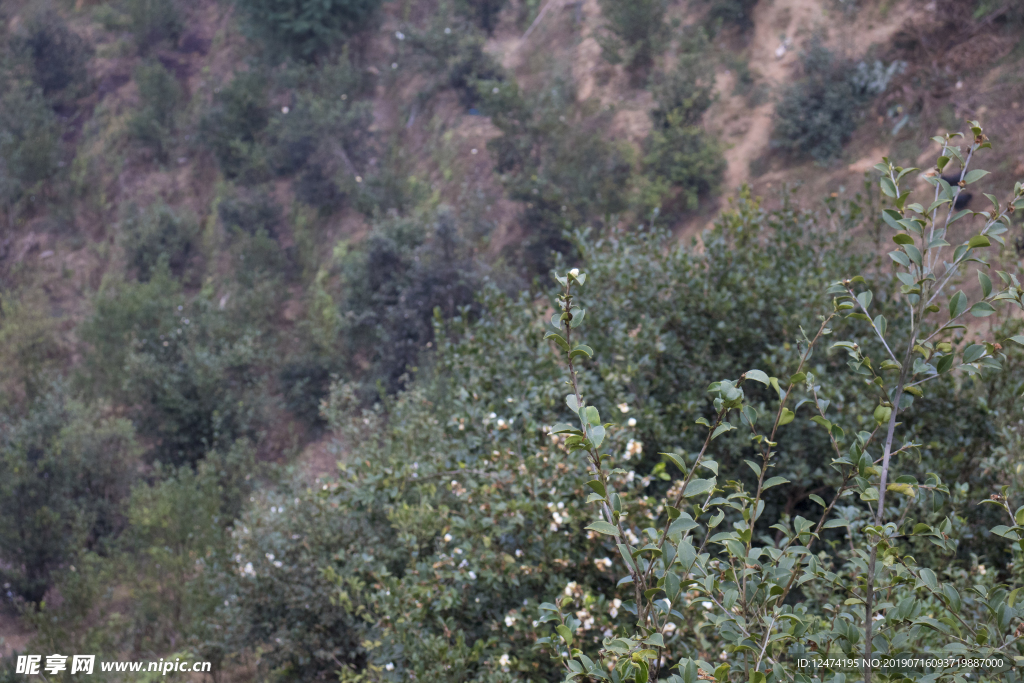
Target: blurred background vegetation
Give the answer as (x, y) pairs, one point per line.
(273, 275)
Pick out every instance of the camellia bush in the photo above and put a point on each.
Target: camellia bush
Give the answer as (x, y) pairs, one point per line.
(682, 514)
(869, 606)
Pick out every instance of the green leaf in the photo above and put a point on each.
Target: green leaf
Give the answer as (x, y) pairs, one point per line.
(978, 241)
(577, 317)
(913, 253)
(982, 309)
(865, 299)
(1017, 339)
(721, 429)
(681, 526)
(973, 352)
(698, 487)
(787, 417)
(602, 527)
(641, 671)
(929, 578)
(655, 639)
(957, 304)
(563, 630)
(900, 258)
(598, 487)
(573, 404)
(986, 284)
(891, 216)
(596, 434)
(757, 376)
(888, 188)
(754, 466)
(818, 419)
(903, 238)
(557, 338)
(774, 481)
(676, 460)
(944, 364)
(974, 176)
(593, 417)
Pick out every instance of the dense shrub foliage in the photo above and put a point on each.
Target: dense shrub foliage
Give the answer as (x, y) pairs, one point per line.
(637, 33)
(306, 28)
(818, 113)
(286, 384)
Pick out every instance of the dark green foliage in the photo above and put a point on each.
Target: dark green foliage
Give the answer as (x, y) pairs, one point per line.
(686, 159)
(683, 161)
(160, 96)
(454, 57)
(484, 12)
(153, 22)
(58, 54)
(158, 234)
(557, 162)
(637, 33)
(306, 28)
(722, 13)
(392, 286)
(178, 525)
(29, 139)
(287, 562)
(233, 128)
(192, 371)
(323, 137)
(819, 112)
(251, 213)
(65, 470)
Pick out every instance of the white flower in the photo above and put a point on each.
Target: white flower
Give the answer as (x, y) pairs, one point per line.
(284, 110)
(502, 424)
(706, 605)
(447, 538)
(399, 35)
(248, 569)
(504, 660)
(631, 422)
(633, 447)
(494, 90)
(509, 620)
(270, 556)
(631, 476)
(390, 666)
(603, 562)
(519, 553)
(278, 563)
(472, 576)
(447, 30)
(575, 272)
(458, 551)
(623, 408)
(394, 65)
(981, 569)
(569, 588)
(669, 627)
